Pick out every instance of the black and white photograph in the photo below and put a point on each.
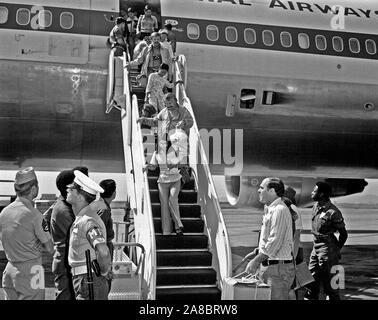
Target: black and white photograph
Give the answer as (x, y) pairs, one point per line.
(188, 154)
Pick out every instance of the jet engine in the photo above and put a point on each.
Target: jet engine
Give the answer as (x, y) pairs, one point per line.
(242, 191)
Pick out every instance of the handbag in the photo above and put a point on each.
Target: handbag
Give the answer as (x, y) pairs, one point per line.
(142, 80)
(185, 172)
(303, 276)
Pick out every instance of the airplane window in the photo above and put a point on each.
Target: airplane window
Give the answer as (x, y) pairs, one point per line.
(371, 47)
(354, 45)
(321, 42)
(231, 34)
(212, 33)
(45, 18)
(23, 17)
(3, 15)
(286, 39)
(193, 31)
(66, 20)
(268, 37)
(337, 44)
(303, 41)
(249, 36)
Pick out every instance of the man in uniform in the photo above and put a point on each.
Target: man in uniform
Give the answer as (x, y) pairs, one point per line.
(24, 234)
(276, 241)
(62, 218)
(87, 233)
(326, 220)
(102, 207)
(116, 37)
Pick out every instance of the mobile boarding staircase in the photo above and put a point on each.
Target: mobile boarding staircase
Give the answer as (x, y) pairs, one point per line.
(191, 266)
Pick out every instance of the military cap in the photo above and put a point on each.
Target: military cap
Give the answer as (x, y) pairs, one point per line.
(25, 175)
(86, 183)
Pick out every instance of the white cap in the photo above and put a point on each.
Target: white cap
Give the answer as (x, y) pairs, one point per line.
(86, 183)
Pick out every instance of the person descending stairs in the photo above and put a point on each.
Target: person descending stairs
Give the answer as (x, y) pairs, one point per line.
(184, 263)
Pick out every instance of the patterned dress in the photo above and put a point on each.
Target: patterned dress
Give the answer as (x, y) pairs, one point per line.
(155, 87)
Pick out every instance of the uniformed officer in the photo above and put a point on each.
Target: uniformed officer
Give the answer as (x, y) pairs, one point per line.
(87, 232)
(326, 220)
(102, 207)
(62, 218)
(24, 234)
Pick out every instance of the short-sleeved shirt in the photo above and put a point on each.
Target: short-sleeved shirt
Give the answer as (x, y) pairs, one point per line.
(105, 212)
(147, 24)
(326, 220)
(86, 232)
(62, 218)
(22, 231)
(115, 34)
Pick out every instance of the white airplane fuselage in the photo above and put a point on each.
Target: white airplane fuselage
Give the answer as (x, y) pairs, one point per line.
(313, 86)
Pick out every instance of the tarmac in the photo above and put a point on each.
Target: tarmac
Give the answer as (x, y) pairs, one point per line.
(359, 255)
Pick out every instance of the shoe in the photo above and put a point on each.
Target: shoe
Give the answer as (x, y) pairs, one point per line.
(179, 231)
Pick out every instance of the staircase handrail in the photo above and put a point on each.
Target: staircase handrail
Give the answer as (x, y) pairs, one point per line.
(145, 233)
(137, 191)
(180, 65)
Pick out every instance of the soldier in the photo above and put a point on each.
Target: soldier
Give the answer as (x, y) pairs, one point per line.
(102, 207)
(62, 218)
(326, 220)
(24, 234)
(87, 233)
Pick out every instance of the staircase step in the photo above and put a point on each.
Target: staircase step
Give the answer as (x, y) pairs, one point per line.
(188, 276)
(186, 241)
(186, 210)
(183, 258)
(188, 293)
(190, 225)
(185, 196)
(153, 185)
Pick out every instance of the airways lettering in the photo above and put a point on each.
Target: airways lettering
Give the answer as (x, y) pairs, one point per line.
(303, 6)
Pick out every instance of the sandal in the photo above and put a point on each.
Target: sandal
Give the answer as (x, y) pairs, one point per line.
(179, 231)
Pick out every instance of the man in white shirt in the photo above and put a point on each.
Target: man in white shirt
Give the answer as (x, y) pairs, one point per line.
(276, 241)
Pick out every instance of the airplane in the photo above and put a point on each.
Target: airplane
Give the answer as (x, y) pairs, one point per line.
(298, 78)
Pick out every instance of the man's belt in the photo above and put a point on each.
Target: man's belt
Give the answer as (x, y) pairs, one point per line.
(271, 262)
(321, 237)
(78, 270)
